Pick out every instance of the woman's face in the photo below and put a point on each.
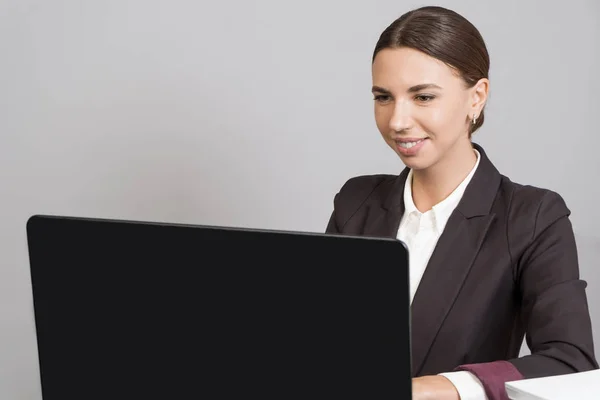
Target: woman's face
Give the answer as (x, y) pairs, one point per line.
(422, 106)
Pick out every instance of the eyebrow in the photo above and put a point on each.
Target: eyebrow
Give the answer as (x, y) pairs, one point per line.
(412, 89)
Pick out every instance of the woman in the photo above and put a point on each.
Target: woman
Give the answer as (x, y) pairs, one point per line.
(493, 260)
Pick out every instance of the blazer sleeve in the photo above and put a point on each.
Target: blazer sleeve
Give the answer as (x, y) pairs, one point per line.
(554, 307)
(332, 226)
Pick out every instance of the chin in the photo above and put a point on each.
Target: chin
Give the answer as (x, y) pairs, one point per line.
(415, 163)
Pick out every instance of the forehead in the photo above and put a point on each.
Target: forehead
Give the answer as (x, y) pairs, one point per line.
(404, 67)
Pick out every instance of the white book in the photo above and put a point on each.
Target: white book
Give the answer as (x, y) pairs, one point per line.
(576, 386)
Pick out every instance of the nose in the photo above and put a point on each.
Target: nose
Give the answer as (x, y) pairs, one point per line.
(400, 119)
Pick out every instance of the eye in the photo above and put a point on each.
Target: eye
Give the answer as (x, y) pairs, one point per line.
(382, 98)
(424, 98)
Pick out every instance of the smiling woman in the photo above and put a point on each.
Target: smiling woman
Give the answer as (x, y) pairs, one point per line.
(491, 261)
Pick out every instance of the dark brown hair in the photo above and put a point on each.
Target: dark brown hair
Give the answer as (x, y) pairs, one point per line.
(445, 35)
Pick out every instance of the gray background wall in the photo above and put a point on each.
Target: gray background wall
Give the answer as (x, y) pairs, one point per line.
(253, 113)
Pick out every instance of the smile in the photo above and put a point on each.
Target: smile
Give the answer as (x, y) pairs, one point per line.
(408, 145)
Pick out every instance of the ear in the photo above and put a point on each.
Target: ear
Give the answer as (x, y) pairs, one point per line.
(479, 96)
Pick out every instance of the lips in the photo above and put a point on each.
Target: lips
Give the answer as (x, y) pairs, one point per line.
(410, 146)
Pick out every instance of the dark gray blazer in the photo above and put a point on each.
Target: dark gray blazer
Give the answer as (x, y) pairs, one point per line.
(505, 266)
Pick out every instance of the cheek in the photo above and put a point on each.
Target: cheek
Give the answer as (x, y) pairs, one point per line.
(443, 119)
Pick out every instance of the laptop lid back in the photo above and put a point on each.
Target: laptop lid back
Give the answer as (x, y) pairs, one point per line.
(138, 310)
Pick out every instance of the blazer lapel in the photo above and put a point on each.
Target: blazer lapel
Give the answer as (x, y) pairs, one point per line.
(452, 259)
(447, 269)
(383, 221)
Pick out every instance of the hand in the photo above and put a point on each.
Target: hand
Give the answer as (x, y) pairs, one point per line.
(434, 387)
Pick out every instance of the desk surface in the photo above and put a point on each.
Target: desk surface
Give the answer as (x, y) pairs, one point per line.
(576, 386)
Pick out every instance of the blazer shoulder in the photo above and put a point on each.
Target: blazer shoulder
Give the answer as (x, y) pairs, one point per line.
(365, 184)
(358, 190)
(532, 208)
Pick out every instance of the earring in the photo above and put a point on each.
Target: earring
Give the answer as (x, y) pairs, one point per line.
(474, 119)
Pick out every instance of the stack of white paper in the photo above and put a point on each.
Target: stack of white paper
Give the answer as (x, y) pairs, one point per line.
(577, 386)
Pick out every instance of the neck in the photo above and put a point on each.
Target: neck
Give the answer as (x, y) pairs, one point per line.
(432, 185)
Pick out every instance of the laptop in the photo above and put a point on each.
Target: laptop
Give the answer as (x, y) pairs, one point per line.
(143, 310)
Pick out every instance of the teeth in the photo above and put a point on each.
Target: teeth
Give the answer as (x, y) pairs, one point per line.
(408, 145)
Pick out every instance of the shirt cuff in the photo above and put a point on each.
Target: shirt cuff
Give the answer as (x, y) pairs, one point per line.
(467, 385)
